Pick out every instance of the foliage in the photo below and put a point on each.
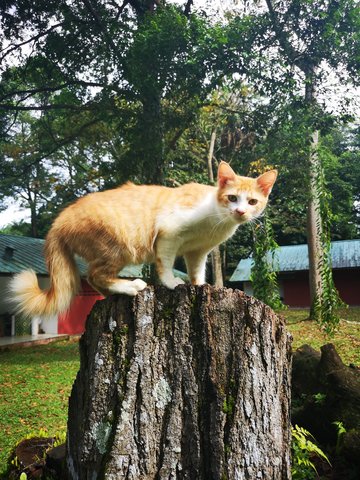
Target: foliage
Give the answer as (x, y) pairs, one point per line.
(263, 271)
(303, 449)
(21, 228)
(340, 430)
(340, 155)
(297, 34)
(93, 94)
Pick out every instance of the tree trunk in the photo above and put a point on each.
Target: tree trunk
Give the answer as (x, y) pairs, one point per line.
(33, 217)
(314, 221)
(216, 267)
(326, 392)
(215, 254)
(187, 384)
(314, 227)
(210, 156)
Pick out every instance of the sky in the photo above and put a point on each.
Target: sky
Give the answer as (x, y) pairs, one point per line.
(13, 213)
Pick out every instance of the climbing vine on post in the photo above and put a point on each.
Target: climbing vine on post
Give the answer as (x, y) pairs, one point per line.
(327, 299)
(263, 274)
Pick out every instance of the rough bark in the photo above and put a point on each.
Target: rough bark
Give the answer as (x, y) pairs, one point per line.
(215, 254)
(186, 384)
(314, 220)
(216, 267)
(314, 227)
(210, 156)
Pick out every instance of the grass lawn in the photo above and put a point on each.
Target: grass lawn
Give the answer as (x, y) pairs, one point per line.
(35, 382)
(346, 340)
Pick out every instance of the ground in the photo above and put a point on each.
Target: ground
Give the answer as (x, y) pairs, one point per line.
(35, 382)
(346, 339)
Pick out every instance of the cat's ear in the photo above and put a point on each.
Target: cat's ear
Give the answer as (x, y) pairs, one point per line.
(267, 180)
(225, 174)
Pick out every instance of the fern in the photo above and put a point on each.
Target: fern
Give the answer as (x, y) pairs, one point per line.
(303, 448)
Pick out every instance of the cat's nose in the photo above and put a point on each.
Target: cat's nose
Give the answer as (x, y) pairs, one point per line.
(239, 212)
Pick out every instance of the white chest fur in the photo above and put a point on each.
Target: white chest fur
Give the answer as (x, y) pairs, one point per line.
(200, 227)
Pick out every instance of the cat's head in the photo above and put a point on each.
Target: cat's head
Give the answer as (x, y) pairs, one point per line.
(243, 198)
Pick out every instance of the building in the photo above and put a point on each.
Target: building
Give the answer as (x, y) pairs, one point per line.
(292, 264)
(23, 253)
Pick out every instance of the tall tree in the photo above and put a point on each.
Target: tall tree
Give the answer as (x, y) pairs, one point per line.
(307, 38)
(32, 189)
(155, 62)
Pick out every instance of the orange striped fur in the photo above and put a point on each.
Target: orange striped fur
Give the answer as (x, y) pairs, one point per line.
(133, 224)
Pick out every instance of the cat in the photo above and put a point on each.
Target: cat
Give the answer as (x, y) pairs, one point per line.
(135, 224)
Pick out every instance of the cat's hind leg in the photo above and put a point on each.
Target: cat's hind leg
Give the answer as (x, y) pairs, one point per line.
(104, 279)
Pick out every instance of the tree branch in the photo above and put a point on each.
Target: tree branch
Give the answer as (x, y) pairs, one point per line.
(120, 8)
(57, 146)
(24, 108)
(100, 25)
(33, 91)
(293, 55)
(7, 50)
(188, 6)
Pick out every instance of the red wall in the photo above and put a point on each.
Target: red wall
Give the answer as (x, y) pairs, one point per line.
(297, 294)
(72, 322)
(348, 284)
(296, 289)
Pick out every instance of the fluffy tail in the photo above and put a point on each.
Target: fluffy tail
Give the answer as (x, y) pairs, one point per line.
(28, 297)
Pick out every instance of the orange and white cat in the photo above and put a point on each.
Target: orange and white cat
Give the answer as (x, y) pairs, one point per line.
(133, 224)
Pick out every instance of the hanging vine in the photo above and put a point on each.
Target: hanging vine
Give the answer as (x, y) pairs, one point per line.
(263, 272)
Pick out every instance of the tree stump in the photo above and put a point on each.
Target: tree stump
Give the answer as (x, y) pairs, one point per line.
(326, 392)
(188, 384)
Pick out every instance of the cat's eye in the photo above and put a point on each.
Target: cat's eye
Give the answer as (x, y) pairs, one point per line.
(253, 201)
(232, 198)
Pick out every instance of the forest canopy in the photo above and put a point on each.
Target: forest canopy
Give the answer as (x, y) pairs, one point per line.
(97, 92)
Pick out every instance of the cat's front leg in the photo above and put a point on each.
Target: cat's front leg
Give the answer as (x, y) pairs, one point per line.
(196, 266)
(166, 250)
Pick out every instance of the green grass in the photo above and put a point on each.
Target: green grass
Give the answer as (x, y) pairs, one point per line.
(346, 339)
(35, 384)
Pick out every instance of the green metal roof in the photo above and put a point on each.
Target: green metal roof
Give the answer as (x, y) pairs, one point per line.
(22, 253)
(293, 258)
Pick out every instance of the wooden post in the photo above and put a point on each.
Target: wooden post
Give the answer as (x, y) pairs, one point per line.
(187, 384)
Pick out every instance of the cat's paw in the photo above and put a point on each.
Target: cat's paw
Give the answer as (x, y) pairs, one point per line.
(139, 284)
(174, 282)
(128, 287)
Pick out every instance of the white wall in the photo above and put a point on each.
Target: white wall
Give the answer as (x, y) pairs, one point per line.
(48, 325)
